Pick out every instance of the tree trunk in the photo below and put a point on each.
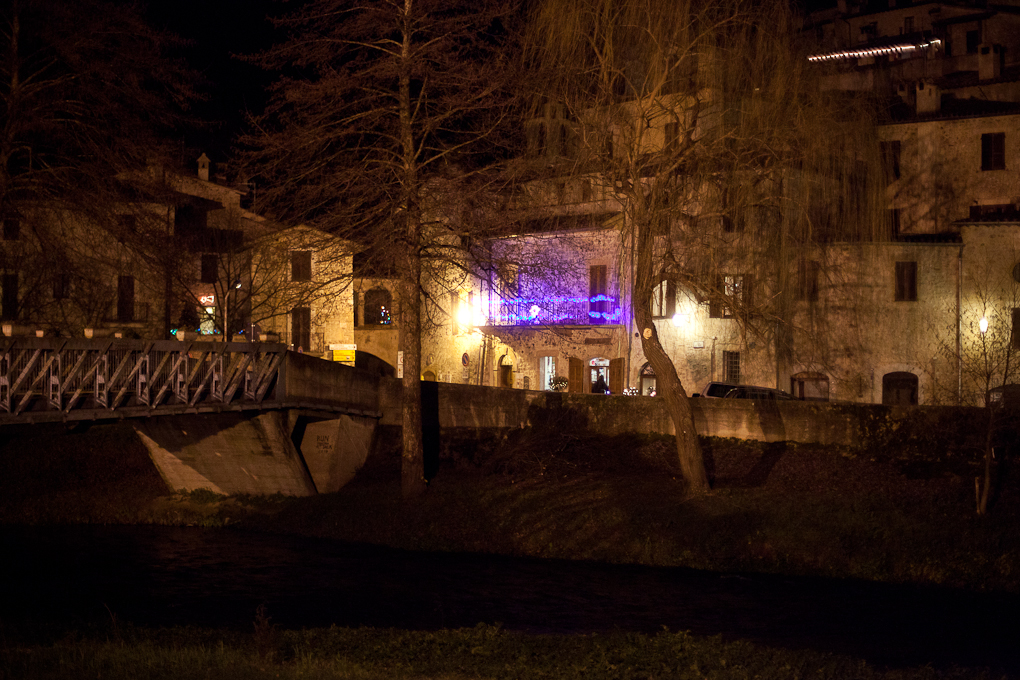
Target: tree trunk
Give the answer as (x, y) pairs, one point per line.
(412, 463)
(667, 382)
(982, 487)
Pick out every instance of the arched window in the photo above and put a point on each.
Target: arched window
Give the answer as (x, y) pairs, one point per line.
(378, 307)
(899, 389)
(648, 388)
(810, 386)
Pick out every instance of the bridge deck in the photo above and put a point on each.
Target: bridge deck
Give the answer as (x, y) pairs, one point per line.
(53, 379)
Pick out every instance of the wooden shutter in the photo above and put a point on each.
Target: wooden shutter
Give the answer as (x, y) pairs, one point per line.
(576, 378)
(301, 265)
(616, 377)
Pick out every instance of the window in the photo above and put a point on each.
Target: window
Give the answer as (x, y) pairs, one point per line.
(908, 25)
(10, 297)
(664, 300)
(128, 223)
(891, 159)
(906, 282)
(301, 265)
(210, 268)
(454, 312)
(546, 372)
(993, 151)
(735, 287)
(301, 328)
(893, 218)
(973, 40)
(807, 280)
(377, 307)
(125, 299)
(61, 285)
(11, 229)
(355, 319)
(731, 367)
(598, 304)
(1014, 337)
(899, 389)
(809, 386)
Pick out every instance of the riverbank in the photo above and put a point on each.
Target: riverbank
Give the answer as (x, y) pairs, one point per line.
(902, 516)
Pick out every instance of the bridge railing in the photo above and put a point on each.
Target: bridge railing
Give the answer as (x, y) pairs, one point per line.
(64, 377)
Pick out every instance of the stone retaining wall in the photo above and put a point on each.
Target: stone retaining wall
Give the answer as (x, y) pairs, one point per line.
(467, 407)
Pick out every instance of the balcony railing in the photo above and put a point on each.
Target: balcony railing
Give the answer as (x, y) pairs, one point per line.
(555, 311)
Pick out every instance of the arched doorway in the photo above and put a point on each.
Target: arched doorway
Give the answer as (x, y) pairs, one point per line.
(648, 387)
(428, 376)
(810, 386)
(899, 389)
(506, 371)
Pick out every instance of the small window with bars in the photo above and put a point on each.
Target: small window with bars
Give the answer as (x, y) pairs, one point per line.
(731, 366)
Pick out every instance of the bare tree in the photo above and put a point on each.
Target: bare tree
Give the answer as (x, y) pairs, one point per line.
(701, 121)
(379, 100)
(88, 94)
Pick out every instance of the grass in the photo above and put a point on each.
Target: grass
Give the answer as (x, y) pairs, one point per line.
(899, 515)
(891, 515)
(480, 652)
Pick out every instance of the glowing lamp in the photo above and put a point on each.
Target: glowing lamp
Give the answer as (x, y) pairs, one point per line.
(983, 325)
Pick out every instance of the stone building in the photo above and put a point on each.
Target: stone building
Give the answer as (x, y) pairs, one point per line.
(180, 256)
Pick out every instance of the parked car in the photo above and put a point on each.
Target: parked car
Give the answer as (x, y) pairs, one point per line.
(716, 390)
(759, 393)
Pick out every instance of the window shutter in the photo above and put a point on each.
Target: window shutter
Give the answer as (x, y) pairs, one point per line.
(715, 308)
(301, 265)
(575, 381)
(616, 377)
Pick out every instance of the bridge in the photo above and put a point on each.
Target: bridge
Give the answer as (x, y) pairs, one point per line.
(226, 416)
(52, 379)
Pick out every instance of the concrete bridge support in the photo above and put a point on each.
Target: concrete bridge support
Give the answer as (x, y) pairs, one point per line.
(228, 453)
(291, 452)
(333, 449)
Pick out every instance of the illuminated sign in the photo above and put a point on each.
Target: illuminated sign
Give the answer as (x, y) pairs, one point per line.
(207, 300)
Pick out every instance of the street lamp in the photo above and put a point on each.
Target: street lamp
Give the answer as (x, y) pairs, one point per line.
(226, 310)
(983, 325)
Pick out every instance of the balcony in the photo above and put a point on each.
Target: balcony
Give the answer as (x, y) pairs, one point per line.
(554, 311)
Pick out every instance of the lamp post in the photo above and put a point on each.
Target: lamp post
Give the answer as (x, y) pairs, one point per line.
(226, 310)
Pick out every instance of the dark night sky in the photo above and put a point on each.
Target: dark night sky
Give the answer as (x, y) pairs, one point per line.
(217, 30)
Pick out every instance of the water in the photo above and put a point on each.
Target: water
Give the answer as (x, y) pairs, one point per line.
(217, 578)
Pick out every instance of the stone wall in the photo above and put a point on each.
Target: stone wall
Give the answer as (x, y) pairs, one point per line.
(464, 409)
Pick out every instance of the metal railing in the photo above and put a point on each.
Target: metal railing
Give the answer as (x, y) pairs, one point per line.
(72, 379)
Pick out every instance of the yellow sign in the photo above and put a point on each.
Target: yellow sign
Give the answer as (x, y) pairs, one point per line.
(344, 355)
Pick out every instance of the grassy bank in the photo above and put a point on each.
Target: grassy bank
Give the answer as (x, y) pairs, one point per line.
(899, 516)
(481, 652)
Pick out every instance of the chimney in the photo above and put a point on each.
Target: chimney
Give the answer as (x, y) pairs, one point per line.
(929, 98)
(989, 62)
(203, 167)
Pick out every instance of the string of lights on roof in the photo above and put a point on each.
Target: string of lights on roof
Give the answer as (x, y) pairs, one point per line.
(875, 51)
